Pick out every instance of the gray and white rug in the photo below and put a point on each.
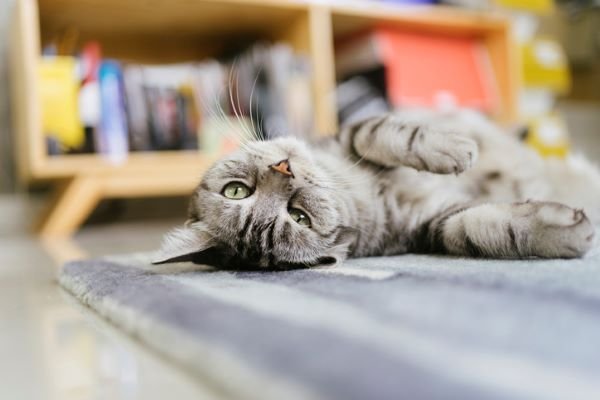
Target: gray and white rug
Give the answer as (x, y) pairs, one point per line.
(406, 327)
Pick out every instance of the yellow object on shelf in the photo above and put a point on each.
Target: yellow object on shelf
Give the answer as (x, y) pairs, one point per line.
(59, 101)
(549, 136)
(544, 65)
(536, 6)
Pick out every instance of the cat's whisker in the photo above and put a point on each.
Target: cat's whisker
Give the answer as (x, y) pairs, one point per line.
(219, 114)
(237, 109)
(252, 127)
(261, 133)
(251, 130)
(251, 95)
(241, 129)
(232, 102)
(233, 131)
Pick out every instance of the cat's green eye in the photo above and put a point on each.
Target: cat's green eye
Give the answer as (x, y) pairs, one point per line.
(236, 191)
(299, 216)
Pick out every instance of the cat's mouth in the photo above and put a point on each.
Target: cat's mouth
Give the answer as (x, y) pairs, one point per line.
(244, 265)
(323, 261)
(218, 259)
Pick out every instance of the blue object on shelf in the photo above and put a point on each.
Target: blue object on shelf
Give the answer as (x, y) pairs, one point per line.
(112, 139)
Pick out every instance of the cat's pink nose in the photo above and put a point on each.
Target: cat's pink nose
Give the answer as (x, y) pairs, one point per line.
(282, 167)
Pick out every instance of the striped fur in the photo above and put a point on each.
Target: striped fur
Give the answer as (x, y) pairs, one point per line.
(407, 182)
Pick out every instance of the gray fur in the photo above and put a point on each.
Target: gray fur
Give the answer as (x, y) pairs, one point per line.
(414, 181)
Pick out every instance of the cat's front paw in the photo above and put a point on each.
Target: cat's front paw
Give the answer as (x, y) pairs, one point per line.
(447, 153)
(561, 231)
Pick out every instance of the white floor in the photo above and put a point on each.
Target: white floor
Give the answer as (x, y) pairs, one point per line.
(53, 348)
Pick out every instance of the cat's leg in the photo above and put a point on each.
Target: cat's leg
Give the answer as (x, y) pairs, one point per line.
(517, 230)
(393, 141)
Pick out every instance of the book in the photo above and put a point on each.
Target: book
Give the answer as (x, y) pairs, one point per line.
(112, 139)
(59, 88)
(264, 92)
(137, 112)
(89, 93)
(413, 73)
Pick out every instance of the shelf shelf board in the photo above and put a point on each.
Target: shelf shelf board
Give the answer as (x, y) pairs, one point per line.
(208, 18)
(447, 20)
(187, 162)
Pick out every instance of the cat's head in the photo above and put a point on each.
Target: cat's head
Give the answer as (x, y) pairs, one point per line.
(268, 205)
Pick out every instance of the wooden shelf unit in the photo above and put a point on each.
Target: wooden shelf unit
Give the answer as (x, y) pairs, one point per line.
(166, 31)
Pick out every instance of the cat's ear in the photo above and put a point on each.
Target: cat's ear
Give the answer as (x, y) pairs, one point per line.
(184, 244)
(345, 239)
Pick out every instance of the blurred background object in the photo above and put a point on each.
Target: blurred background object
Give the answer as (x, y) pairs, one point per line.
(7, 171)
(166, 87)
(128, 107)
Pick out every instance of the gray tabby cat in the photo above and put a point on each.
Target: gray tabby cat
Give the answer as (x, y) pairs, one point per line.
(414, 181)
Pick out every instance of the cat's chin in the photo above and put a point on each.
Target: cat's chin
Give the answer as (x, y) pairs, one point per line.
(280, 266)
(242, 265)
(320, 262)
(223, 258)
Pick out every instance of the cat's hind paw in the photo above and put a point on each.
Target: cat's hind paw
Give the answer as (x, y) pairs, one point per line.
(562, 231)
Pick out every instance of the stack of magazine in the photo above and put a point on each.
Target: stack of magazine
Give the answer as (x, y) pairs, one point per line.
(94, 105)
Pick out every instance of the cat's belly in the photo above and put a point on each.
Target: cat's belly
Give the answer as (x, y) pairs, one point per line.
(407, 199)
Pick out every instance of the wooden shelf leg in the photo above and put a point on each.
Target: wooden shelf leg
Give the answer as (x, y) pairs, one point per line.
(74, 202)
(62, 250)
